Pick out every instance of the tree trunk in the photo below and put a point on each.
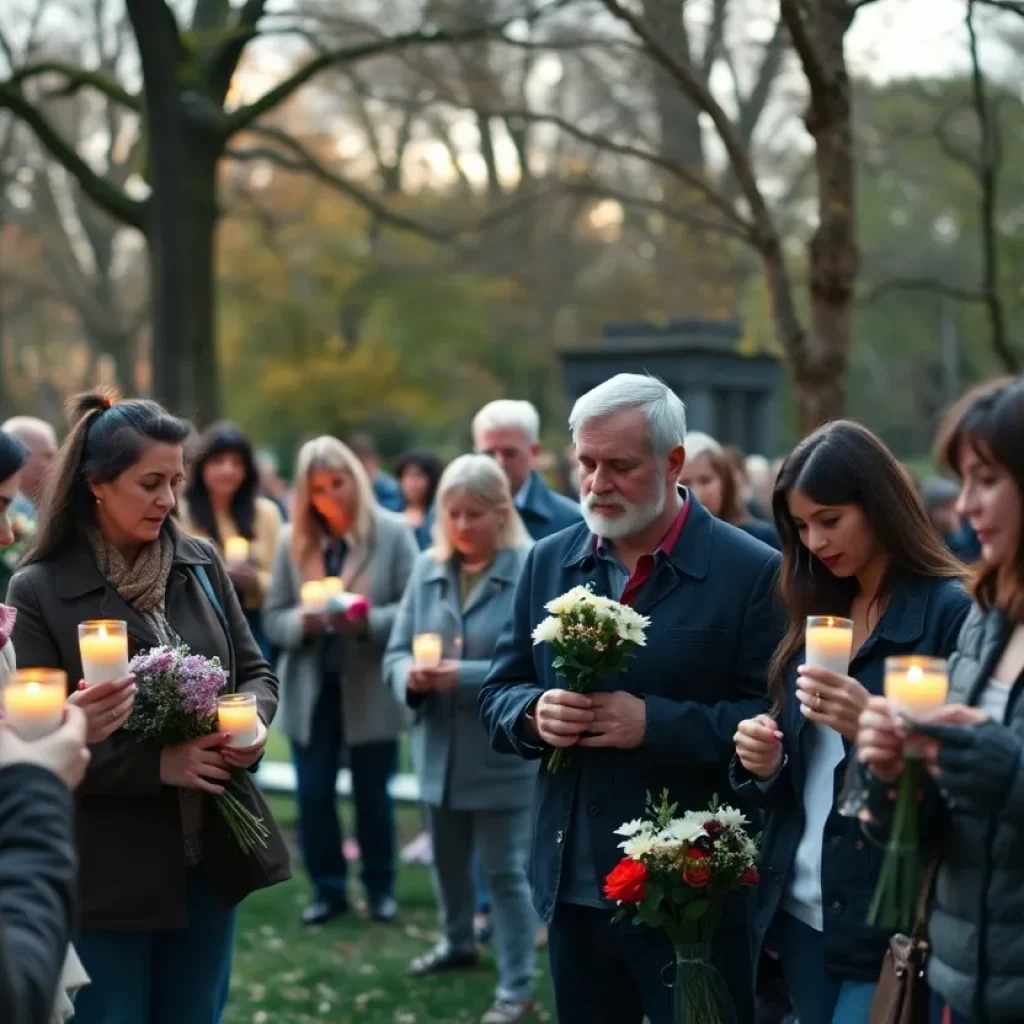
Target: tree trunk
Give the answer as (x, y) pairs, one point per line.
(182, 228)
(820, 359)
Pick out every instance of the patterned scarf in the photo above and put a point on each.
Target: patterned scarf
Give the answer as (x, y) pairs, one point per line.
(144, 584)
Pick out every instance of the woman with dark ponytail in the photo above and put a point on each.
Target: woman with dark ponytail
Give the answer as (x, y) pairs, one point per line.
(159, 872)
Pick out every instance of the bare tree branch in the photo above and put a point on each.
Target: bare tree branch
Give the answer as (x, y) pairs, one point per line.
(75, 79)
(247, 115)
(739, 158)
(110, 198)
(988, 179)
(810, 59)
(304, 161)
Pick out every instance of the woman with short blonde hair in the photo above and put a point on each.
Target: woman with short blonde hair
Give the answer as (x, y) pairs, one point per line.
(333, 697)
(476, 800)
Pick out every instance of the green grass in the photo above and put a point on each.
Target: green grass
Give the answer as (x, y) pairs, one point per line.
(351, 970)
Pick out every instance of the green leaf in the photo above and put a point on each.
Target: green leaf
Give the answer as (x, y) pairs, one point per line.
(696, 910)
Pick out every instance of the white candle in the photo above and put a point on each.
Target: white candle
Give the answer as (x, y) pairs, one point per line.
(426, 650)
(34, 701)
(236, 550)
(916, 685)
(104, 648)
(333, 586)
(314, 596)
(236, 714)
(829, 643)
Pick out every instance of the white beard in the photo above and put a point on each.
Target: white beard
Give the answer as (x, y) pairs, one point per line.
(635, 518)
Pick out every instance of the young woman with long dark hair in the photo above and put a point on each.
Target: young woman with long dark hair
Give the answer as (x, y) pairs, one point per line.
(972, 817)
(222, 501)
(418, 474)
(856, 543)
(159, 872)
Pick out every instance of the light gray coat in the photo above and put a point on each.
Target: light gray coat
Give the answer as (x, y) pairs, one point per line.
(379, 569)
(454, 761)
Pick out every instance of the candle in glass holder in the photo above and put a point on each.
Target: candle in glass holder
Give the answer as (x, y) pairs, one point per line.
(314, 596)
(333, 586)
(34, 701)
(916, 685)
(236, 550)
(236, 714)
(103, 644)
(426, 650)
(829, 643)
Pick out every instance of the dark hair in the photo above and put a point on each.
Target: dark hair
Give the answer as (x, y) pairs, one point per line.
(12, 455)
(222, 439)
(107, 437)
(990, 419)
(844, 463)
(428, 464)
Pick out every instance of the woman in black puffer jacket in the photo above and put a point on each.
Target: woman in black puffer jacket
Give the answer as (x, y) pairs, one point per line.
(973, 815)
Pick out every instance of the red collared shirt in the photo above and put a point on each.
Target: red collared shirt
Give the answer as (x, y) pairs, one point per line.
(645, 565)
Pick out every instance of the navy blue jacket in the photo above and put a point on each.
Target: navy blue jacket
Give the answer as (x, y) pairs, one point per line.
(715, 623)
(545, 512)
(924, 616)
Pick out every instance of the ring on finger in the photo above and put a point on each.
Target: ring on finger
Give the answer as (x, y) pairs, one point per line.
(817, 702)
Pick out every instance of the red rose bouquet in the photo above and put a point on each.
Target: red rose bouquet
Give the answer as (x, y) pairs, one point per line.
(675, 876)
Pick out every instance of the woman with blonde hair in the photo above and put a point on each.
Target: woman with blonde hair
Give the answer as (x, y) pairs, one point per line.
(333, 697)
(476, 800)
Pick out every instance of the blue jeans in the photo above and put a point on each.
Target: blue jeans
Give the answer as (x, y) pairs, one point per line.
(164, 976)
(320, 830)
(501, 842)
(817, 998)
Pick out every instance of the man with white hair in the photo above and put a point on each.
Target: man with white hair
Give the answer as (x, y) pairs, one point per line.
(667, 723)
(509, 431)
(40, 439)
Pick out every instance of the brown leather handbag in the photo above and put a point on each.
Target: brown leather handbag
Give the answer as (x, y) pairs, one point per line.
(902, 994)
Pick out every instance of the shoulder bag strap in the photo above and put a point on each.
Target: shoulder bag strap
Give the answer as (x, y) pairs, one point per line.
(920, 931)
(204, 581)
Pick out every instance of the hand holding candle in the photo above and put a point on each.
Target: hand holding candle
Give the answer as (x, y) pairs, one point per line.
(237, 714)
(34, 701)
(829, 643)
(236, 550)
(313, 596)
(426, 650)
(103, 644)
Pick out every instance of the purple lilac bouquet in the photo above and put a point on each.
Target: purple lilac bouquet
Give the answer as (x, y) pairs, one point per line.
(176, 701)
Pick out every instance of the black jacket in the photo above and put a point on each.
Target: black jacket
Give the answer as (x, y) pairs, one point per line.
(976, 924)
(37, 882)
(924, 617)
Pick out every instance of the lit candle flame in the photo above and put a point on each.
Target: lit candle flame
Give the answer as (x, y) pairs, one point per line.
(915, 674)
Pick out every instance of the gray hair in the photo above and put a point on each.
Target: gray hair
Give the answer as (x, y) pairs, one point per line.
(698, 444)
(662, 408)
(27, 428)
(508, 414)
(482, 478)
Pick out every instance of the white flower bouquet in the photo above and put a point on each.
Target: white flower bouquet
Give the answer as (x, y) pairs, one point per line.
(593, 637)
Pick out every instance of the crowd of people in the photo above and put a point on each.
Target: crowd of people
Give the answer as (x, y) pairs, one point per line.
(117, 902)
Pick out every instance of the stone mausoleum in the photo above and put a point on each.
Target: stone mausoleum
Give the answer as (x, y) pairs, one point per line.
(731, 396)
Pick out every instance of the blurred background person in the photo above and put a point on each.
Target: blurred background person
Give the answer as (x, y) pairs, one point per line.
(40, 441)
(509, 432)
(476, 799)
(419, 473)
(333, 695)
(385, 487)
(759, 486)
(941, 497)
(223, 500)
(713, 479)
